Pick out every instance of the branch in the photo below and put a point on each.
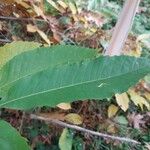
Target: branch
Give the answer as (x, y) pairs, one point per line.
(122, 27)
(21, 19)
(22, 122)
(5, 41)
(63, 124)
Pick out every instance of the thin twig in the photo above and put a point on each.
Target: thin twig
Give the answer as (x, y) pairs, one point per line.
(22, 122)
(21, 19)
(5, 41)
(75, 127)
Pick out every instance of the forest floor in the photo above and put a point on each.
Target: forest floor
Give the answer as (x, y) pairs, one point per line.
(89, 24)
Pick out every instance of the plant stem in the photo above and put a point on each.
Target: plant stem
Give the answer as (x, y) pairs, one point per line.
(122, 27)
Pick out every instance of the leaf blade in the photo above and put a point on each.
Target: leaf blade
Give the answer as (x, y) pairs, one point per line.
(66, 140)
(91, 79)
(10, 138)
(41, 58)
(9, 51)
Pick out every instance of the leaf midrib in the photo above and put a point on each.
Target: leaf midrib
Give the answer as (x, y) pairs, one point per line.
(46, 91)
(32, 73)
(24, 77)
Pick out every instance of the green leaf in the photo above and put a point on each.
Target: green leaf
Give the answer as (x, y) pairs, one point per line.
(8, 51)
(121, 120)
(10, 139)
(66, 139)
(91, 79)
(39, 59)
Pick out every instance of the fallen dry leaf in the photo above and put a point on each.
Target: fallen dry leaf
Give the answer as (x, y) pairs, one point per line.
(112, 110)
(72, 8)
(22, 3)
(122, 101)
(44, 36)
(65, 106)
(112, 129)
(137, 99)
(53, 4)
(6, 2)
(136, 120)
(132, 47)
(147, 95)
(32, 28)
(63, 4)
(74, 118)
(60, 9)
(39, 12)
(94, 17)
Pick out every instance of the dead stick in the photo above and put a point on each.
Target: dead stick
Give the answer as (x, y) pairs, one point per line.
(5, 41)
(21, 19)
(75, 127)
(22, 121)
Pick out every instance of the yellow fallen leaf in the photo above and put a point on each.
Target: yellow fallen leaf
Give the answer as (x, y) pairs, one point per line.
(75, 18)
(16, 15)
(62, 4)
(136, 52)
(39, 12)
(93, 29)
(32, 28)
(147, 95)
(74, 118)
(122, 101)
(112, 110)
(111, 129)
(22, 3)
(44, 36)
(72, 8)
(82, 19)
(51, 2)
(6, 2)
(138, 100)
(64, 106)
